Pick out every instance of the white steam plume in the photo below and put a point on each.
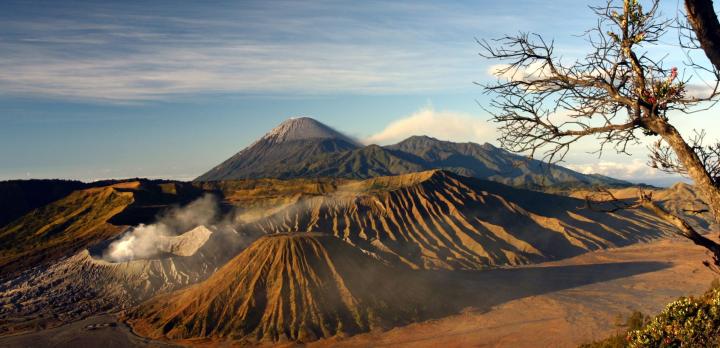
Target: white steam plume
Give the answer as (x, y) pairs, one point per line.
(143, 241)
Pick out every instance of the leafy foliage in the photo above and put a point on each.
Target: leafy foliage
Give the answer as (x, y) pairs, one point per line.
(635, 321)
(686, 322)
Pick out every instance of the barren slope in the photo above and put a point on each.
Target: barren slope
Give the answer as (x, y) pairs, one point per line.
(84, 284)
(61, 228)
(291, 144)
(436, 219)
(561, 303)
(18, 197)
(283, 287)
(83, 218)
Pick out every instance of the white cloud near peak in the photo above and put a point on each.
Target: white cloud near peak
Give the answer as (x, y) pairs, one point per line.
(444, 125)
(635, 169)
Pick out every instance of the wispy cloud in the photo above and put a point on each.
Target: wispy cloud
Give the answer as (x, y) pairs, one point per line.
(121, 54)
(444, 125)
(635, 169)
(248, 68)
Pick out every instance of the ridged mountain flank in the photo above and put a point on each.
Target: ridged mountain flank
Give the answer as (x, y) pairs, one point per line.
(284, 287)
(289, 145)
(492, 163)
(305, 148)
(441, 220)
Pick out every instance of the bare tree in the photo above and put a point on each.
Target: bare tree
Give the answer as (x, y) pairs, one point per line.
(618, 93)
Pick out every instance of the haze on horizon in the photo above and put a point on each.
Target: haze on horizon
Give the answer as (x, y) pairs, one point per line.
(107, 90)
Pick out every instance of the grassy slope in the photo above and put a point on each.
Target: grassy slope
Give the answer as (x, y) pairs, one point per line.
(61, 228)
(19, 197)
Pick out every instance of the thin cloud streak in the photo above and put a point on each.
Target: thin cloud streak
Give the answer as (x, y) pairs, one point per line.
(314, 68)
(303, 49)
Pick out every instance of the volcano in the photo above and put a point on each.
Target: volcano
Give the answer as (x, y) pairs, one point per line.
(305, 148)
(288, 145)
(284, 287)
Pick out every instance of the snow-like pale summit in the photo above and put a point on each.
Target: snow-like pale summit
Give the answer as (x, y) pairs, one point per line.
(303, 128)
(293, 144)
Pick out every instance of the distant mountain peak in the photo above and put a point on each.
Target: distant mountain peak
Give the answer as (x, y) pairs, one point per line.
(304, 147)
(428, 140)
(420, 139)
(303, 128)
(291, 144)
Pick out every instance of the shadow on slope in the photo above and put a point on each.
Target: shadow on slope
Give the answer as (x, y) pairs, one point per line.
(308, 286)
(18, 197)
(439, 220)
(483, 290)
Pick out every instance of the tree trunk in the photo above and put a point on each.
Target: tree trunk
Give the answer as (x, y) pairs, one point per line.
(702, 18)
(682, 225)
(690, 160)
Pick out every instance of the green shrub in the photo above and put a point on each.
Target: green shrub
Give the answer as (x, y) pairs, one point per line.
(635, 321)
(687, 322)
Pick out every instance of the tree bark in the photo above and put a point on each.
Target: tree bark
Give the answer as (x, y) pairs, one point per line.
(682, 225)
(690, 160)
(704, 21)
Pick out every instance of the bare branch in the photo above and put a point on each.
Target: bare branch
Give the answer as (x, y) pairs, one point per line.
(683, 227)
(605, 201)
(664, 158)
(545, 105)
(617, 93)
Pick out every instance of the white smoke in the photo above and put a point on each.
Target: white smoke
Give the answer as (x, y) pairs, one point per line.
(143, 241)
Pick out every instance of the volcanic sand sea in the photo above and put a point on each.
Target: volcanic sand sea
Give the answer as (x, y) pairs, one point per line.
(562, 303)
(554, 304)
(98, 331)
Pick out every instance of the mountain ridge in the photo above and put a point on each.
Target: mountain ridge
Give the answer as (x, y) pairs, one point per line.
(305, 148)
(440, 220)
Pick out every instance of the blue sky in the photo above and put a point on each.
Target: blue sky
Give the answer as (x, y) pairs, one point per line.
(92, 89)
